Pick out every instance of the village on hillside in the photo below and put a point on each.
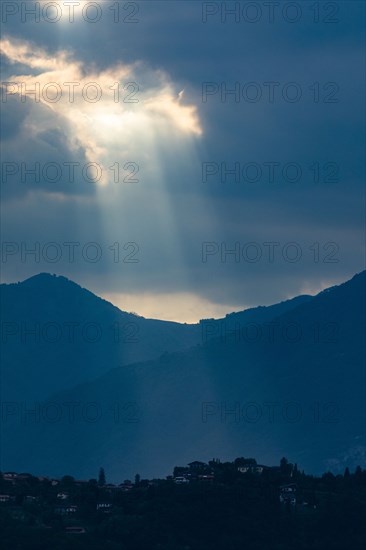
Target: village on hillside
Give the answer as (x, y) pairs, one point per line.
(71, 506)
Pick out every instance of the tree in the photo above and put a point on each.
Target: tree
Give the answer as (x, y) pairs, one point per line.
(179, 471)
(68, 481)
(284, 466)
(137, 480)
(101, 477)
(241, 461)
(358, 473)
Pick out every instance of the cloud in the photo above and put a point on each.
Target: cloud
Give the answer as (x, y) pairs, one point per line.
(118, 110)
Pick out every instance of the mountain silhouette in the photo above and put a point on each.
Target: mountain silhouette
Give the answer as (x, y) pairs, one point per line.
(56, 334)
(292, 385)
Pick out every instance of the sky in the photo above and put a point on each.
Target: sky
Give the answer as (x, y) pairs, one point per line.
(184, 159)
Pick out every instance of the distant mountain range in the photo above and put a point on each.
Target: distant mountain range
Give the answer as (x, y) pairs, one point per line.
(56, 334)
(284, 380)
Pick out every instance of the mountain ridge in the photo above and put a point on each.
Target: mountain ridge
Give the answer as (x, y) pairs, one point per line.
(45, 277)
(201, 401)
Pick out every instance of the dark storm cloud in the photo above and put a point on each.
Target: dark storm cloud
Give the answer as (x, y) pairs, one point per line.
(34, 160)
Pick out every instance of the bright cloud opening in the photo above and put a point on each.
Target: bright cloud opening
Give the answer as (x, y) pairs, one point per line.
(125, 108)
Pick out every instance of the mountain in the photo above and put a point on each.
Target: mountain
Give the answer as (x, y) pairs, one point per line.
(56, 334)
(241, 321)
(293, 386)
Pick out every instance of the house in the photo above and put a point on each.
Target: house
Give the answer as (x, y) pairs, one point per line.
(30, 499)
(206, 477)
(18, 514)
(127, 485)
(104, 506)
(288, 488)
(251, 468)
(180, 479)
(110, 487)
(77, 530)
(287, 498)
(197, 466)
(153, 483)
(6, 499)
(10, 475)
(63, 496)
(288, 493)
(24, 477)
(66, 510)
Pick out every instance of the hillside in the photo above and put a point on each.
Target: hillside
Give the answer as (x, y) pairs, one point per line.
(295, 390)
(56, 334)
